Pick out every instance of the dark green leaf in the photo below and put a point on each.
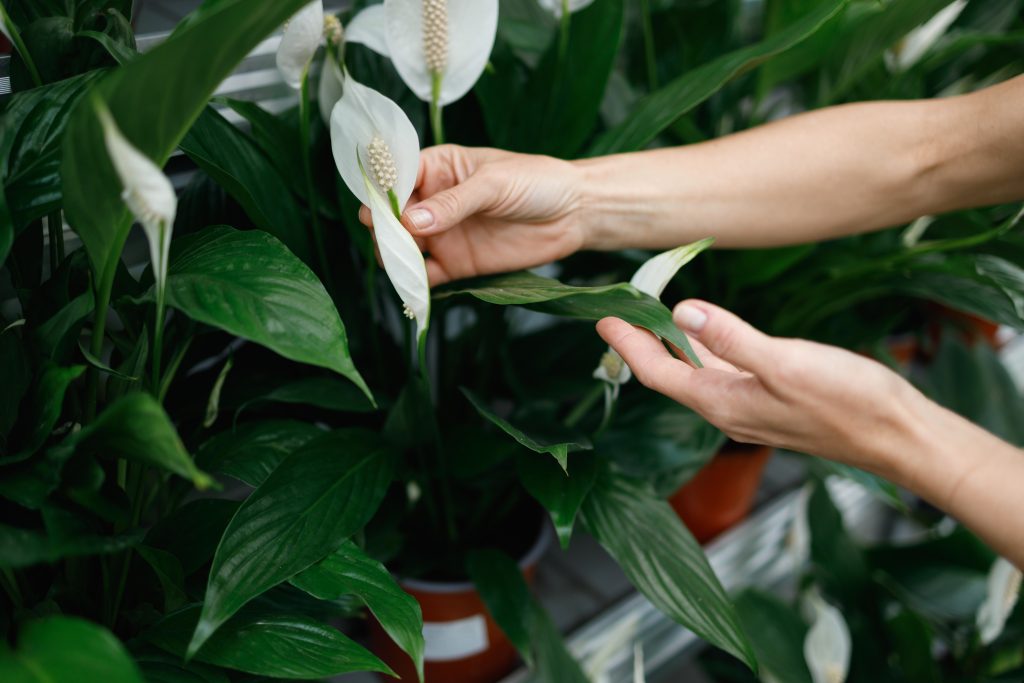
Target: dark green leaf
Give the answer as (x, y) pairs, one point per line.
(53, 335)
(555, 445)
(561, 494)
(24, 548)
(777, 633)
(884, 490)
(663, 561)
(103, 367)
(912, 639)
(191, 533)
(657, 111)
(838, 561)
(15, 371)
(169, 573)
(252, 451)
(249, 284)
(268, 644)
(312, 503)
(63, 649)
(44, 406)
(350, 571)
(278, 140)
(589, 303)
(320, 392)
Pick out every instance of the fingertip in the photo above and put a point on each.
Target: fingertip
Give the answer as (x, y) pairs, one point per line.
(420, 220)
(611, 328)
(365, 217)
(691, 315)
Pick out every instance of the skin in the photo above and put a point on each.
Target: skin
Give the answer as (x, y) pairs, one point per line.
(815, 176)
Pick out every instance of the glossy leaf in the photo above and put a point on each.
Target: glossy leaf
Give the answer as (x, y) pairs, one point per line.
(589, 303)
(556, 446)
(191, 533)
(319, 392)
(169, 573)
(59, 331)
(44, 406)
(61, 649)
(247, 283)
(25, 548)
(663, 561)
(838, 561)
(311, 504)
(560, 493)
(660, 109)
(268, 644)
(504, 591)
(252, 451)
(777, 635)
(350, 571)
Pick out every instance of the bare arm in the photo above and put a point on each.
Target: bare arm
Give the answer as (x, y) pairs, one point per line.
(824, 174)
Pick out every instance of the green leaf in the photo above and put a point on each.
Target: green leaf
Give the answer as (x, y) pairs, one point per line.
(25, 548)
(63, 649)
(191, 533)
(14, 368)
(838, 561)
(155, 99)
(327, 393)
(278, 140)
(103, 367)
(663, 561)
(312, 503)
(588, 303)
(169, 573)
(268, 644)
(885, 491)
(137, 428)
(658, 111)
(777, 634)
(53, 335)
(520, 616)
(555, 446)
(248, 284)
(252, 451)
(561, 494)
(912, 643)
(44, 406)
(233, 160)
(350, 571)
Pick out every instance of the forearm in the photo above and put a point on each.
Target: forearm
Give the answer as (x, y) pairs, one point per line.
(965, 471)
(815, 176)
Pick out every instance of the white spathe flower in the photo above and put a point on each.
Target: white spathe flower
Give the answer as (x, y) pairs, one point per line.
(797, 541)
(1004, 581)
(827, 646)
(148, 193)
(450, 40)
(555, 6)
(301, 39)
(651, 279)
(916, 44)
(377, 153)
(331, 82)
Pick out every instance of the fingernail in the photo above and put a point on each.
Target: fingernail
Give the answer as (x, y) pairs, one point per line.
(690, 317)
(421, 219)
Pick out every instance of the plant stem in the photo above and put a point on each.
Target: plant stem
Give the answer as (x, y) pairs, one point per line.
(436, 120)
(585, 404)
(158, 342)
(19, 45)
(563, 33)
(99, 327)
(307, 163)
(55, 230)
(649, 58)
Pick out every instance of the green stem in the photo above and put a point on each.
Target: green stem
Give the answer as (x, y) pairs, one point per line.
(563, 33)
(158, 340)
(648, 28)
(436, 120)
(19, 45)
(305, 114)
(585, 404)
(99, 327)
(55, 231)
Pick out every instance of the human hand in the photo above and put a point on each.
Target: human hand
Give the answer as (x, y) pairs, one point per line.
(787, 393)
(477, 211)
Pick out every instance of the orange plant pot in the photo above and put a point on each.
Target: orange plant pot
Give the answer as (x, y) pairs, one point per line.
(723, 491)
(973, 328)
(463, 643)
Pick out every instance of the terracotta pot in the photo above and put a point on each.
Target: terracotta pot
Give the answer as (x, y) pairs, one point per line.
(463, 644)
(723, 492)
(973, 328)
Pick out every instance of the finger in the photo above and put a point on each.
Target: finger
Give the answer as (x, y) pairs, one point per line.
(709, 359)
(648, 358)
(724, 334)
(448, 208)
(365, 216)
(436, 274)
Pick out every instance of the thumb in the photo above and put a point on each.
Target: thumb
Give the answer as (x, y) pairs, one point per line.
(727, 336)
(450, 207)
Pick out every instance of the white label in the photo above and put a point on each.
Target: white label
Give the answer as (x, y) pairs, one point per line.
(449, 640)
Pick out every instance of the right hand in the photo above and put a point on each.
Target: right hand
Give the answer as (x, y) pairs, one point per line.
(478, 211)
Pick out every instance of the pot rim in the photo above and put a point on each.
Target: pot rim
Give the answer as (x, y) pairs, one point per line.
(532, 556)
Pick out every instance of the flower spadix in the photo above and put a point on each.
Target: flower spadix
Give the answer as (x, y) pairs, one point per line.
(147, 192)
(827, 646)
(916, 44)
(1004, 582)
(555, 6)
(377, 153)
(651, 279)
(439, 47)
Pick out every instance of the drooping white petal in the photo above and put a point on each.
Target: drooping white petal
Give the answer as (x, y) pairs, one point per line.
(827, 645)
(361, 115)
(302, 37)
(471, 28)
(655, 274)
(1004, 581)
(917, 43)
(330, 88)
(555, 6)
(148, 193)
(369, 28)
(402, 259)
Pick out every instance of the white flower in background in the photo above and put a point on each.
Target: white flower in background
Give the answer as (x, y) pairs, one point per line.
(302, 36)
(555, 6)
(797, 541)
(1003, 590)
(439, 47)
(598, 666)
(638, 663)
(377, 153)
(332, 79)
(916, 44)
(827, 646)
(147, 192)
(651, 279)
